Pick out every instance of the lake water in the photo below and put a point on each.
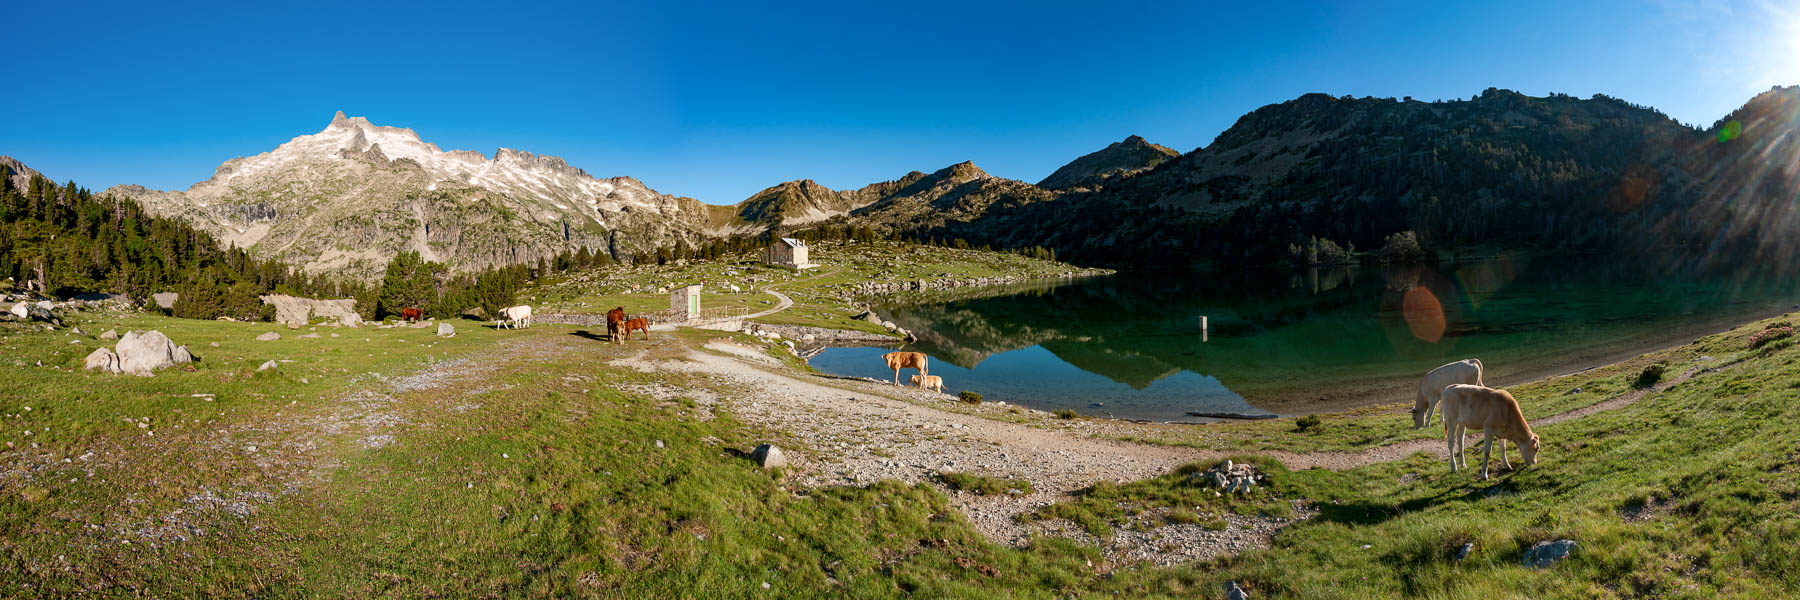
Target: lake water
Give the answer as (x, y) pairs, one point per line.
(1297, 342)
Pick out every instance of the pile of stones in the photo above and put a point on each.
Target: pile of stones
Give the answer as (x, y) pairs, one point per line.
(1230, 477)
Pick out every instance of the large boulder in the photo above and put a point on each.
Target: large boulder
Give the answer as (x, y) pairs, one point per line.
(165, 299)
(446, 330)
(102, 359)
(768, 456)
(141, 352)
(21, 310)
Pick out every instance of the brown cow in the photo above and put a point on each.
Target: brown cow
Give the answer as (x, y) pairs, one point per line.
(411, 314)
(615, 319)
(1496, 414)
(637, 324)
(906, 360)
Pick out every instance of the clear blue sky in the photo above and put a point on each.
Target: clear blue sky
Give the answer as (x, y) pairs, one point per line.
(718, 101)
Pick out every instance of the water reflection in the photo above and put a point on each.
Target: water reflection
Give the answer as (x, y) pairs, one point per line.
(1299, 341)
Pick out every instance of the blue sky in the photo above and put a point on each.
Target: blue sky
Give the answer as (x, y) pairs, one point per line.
(717, 101)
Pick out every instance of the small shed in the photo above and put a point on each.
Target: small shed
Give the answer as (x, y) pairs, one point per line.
(685, 302)
(787, 252)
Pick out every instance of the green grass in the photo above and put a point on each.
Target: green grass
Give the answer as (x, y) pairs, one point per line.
(541, 477)
(985, 485)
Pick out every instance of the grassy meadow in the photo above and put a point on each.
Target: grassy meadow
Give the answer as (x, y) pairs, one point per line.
(501, 464)
(822, 296)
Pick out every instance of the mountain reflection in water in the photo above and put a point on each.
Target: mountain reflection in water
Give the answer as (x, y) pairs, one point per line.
(1319, 339)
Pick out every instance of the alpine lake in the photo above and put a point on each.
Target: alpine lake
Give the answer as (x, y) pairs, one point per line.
(1304, 341)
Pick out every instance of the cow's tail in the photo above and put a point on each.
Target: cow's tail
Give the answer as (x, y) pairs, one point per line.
(1480, 372)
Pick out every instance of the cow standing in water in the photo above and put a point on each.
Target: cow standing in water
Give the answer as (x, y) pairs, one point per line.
(615, 322)
(907, 360)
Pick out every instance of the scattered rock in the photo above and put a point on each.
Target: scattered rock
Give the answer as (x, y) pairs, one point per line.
(268, 337)
(77, 330)
(103, 359)
(310, 336)
(1464, 552)
(165, 300)
(214, 344)
(1543, 554)
(181, 356)
(141, 352)
(768, 456)
(446, 330)
(1233, 478)
(268, 366)
(109, 334)
(1233, 592)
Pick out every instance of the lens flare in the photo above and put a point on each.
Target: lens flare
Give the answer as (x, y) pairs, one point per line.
(1730, 131)
(1424, 314)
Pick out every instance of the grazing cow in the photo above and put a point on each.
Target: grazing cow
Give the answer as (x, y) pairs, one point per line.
(1431, 389)
(411, 314)
(930, 382)
(515, 316)
(615, 318)
(906, 360)
(1496, 414)
(636, 324)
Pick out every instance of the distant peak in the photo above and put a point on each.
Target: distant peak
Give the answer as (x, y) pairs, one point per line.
(1135, 140)
(964, 170)
(339, 119)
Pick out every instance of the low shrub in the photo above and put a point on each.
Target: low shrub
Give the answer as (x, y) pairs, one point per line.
(1774, 332)
(1065, 413)
(969, 397)
(1648, 377)
(1307, 423)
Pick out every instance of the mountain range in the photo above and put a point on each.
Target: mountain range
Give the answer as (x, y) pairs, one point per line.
(1500, 170)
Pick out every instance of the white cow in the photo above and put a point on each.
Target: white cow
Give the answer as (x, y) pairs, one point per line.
(1431, 389)
(514, 316)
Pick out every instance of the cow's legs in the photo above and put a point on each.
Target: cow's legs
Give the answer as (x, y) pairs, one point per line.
(1450, 444)
(1487, 451)
(1502, 443)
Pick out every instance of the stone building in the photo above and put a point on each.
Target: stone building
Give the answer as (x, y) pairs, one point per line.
(787, 252)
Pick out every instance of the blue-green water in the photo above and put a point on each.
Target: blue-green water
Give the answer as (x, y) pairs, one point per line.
(1131, 346)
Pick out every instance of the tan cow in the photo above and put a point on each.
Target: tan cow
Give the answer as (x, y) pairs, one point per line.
(930, 382)
(1496, 414)
(1431, 388)
(906, 360)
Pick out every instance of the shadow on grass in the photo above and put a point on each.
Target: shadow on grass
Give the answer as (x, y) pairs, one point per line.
(585, 334)
(1374, 512)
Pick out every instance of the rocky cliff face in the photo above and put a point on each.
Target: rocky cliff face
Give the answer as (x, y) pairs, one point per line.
(1122, 158)
(21, 174)
(346, 199)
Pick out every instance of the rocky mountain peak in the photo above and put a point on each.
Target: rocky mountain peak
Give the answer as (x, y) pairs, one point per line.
(1130, 155)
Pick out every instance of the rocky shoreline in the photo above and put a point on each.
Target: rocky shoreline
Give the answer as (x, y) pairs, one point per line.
(876, 288)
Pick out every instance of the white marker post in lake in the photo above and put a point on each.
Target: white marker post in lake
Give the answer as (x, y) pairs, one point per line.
(1203, 328)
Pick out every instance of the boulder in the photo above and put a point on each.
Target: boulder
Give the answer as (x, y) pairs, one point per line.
(165, 299)
(768, 456)
(310, 336)
(141, 352)
(1543, 554)
(46, 304)
(102, 359)
(268, 337)
(1233, 592)
(182, 356)
(1463, 552)
(21, 310)
(446, 330)
(268, 366)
